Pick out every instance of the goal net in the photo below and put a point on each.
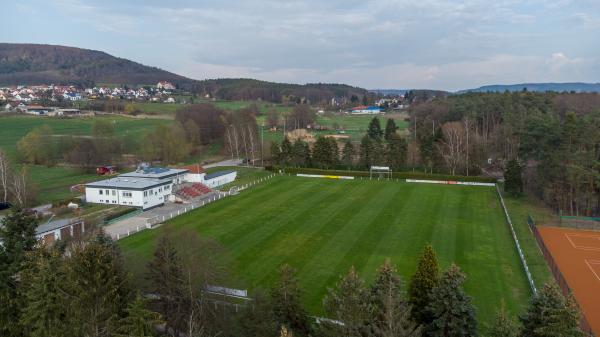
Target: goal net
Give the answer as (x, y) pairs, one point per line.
(380, 172)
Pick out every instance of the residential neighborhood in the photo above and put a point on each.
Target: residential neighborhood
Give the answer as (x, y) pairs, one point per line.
(22, 98)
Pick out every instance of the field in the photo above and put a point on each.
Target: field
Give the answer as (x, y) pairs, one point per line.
(577, 254)
(53, 182)
(322, 227)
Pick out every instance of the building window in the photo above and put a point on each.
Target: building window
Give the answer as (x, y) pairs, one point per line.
(107, 192)
(114, 192)
(100, 192)
(126, 194)
(145, 193)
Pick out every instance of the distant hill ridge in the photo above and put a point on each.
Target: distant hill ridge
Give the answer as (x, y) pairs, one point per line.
(33, 64)
(30, 64)
(541, 87)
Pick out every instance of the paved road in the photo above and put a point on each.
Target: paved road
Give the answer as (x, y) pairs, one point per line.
(228, 162)
(138, 222)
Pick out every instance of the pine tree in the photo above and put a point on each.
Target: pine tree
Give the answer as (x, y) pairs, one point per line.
(513, 183)
(299, 154)
(390, 128)
(350, 304)
(450, 308)
(166, 281)
(374, 130)
(258, 318)
(422, 284)
(17, 234)
(275, 153)
(503, 326)
(322, 153)
(287, 302)
(550, 314)
(98, 287)
(139, 321)
(397, 151)
(366, 151)
(348, 154)
(391, 311)
(334, 152)
(45, 309)
(286, 152)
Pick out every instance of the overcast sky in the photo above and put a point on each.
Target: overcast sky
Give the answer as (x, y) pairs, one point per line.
(438, 44)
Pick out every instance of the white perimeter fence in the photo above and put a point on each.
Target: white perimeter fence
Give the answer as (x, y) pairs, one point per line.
(510, 224)
(514, 235)
(159, 219)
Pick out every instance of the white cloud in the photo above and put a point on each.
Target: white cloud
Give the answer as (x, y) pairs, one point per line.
(442, 44)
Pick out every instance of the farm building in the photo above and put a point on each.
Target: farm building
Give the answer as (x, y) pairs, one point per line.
(366, 110)
(36, 110)
(60, 229)
(152, 186)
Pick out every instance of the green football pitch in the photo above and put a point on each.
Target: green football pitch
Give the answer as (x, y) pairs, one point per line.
(322, 227)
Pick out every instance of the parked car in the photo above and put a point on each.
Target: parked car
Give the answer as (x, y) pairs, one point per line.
(103, 170)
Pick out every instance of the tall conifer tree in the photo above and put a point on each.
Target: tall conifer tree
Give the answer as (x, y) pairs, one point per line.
(422, 284)
(287, 302)
(551, 314)
(450, 309)
(391, 311)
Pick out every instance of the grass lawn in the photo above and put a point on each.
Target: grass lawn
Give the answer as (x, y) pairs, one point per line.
(355, 126)
(519, 209)
(53, 182)
(245, 175)
(322, 227)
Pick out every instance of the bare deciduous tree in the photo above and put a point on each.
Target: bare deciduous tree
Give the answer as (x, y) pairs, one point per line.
(4, 173)
(452, 147)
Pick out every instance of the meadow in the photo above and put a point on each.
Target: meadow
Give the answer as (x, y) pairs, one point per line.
(53, 182)
(322, 227)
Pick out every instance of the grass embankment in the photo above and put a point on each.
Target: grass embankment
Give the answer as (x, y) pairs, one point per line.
(322, 227)
(245, 175)
(518, 210)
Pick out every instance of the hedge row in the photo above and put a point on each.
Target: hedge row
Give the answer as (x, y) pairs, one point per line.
(395, 175)
(119, 213)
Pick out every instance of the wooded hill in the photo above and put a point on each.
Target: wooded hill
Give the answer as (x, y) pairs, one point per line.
(250, 89)
(31, 64)
(34, 64)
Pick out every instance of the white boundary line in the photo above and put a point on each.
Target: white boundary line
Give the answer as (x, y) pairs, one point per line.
(569, 235)
(590, 263)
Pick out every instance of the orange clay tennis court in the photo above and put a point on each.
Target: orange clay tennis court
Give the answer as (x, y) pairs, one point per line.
(577, 254)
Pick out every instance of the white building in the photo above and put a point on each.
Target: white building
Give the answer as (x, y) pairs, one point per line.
(219, 178)
(165, 85)
(150, 187)
(366, 110)
(135, 192)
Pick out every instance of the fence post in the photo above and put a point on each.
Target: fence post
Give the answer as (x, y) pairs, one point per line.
(516, 240)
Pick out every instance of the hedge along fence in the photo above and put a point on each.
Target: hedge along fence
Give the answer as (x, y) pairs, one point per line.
(395, 175)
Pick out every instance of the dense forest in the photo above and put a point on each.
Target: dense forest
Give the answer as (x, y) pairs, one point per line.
(554, 137)
(249, 89)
